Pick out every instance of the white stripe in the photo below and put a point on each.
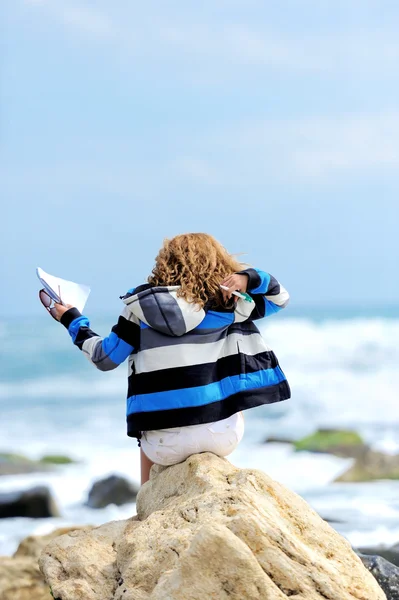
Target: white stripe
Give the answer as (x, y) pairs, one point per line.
(242, 310)
(186, 355)
(281, 298)
(135, 306)
(89, 346)
(192, 313)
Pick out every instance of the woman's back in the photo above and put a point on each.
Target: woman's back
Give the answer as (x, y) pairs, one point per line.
(195, 365)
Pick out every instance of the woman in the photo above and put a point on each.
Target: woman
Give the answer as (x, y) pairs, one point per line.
(196, 358)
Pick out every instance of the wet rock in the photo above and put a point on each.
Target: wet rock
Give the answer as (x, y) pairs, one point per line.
(278, 440)
(16, 464)
(57, 459)
(386, 574)
(391, 554)
(112, 490)
(36, 503)
(370, 466)
(339, 442)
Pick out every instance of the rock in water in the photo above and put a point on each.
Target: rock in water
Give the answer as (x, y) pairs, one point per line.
(207, 530)
(385, 573)
(16, 464)
(371, 465)
(391, 554)
(112, 490)
(36, 503)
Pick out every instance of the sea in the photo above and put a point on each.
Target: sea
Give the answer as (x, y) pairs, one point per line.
(342, 366)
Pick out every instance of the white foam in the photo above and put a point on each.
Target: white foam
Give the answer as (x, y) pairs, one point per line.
(382, 535)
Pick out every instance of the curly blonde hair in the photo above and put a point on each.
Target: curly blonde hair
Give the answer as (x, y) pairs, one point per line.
(197, 263)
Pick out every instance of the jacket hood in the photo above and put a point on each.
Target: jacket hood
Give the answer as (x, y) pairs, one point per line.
(161, 309)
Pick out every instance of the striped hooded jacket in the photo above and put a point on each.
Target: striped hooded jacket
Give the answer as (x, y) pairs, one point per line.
(189, 365)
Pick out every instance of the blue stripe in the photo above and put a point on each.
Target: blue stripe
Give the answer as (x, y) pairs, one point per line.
(271, 308)
(205, 394)
(76, 324)
(116, 349)
(264, 283)
(215, 320)
(212, 320)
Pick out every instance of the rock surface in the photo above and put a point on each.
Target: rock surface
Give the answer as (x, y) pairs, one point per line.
(207, 530)
(385, 573)
(36, 503)
(112, 490)
(20, 579)
(33, 545)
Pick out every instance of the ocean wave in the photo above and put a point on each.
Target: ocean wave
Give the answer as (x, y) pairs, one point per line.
(65, 386)
(357, 344)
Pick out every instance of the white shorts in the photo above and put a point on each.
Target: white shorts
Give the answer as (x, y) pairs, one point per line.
(170, 446)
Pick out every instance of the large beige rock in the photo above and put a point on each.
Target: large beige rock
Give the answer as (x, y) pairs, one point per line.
(20, 579)
(207, 530)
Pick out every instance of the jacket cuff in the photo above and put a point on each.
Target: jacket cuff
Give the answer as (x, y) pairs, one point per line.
(254, 279)
(69, 315)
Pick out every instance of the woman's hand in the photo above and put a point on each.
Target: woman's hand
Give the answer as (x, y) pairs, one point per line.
(60, 309)
(234, 282)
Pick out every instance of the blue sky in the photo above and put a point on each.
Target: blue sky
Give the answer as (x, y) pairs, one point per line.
(272, 125)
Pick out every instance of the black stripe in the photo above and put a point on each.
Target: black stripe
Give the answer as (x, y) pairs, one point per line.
(136, 290)
(127, 331)
(260, 308)
(150, 338)
(254, 279)
(197, 375)
(273, 289)
(70, 315)
(245, 328)
(181, 417)
(84, 333)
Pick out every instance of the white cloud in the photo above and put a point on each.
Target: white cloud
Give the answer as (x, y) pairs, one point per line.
(89, 21)
(317, 149)
(303, 151)
(194, 169)
(226, 43)
(194, 45)
(78, 16)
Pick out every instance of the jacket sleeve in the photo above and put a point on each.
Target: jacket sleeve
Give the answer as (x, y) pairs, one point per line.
(268, 294)
(104, 353)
